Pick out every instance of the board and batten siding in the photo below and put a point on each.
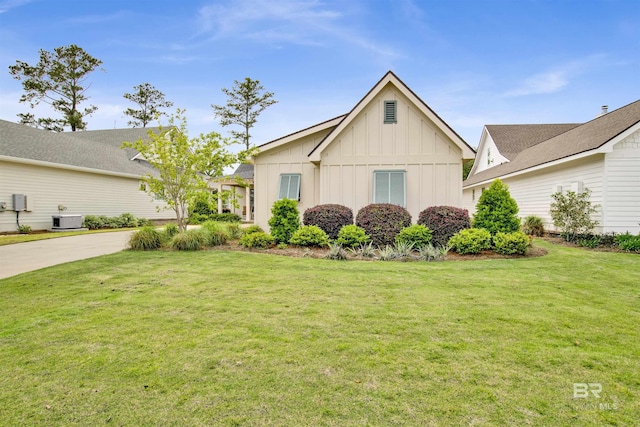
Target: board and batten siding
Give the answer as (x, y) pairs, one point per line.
(621, 207)
(532, 191)
(289, 158)
(414, 144)
(81, 193)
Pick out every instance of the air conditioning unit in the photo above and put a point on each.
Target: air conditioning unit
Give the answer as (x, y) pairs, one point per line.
(66, 221)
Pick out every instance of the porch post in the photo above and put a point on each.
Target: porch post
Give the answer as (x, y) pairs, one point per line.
(247, 203)
(219, 197)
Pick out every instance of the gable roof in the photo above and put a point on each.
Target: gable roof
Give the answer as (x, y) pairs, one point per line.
(301, 133)
(390, 77)
(512, 139)
(99, 152)
(244, 171)
(585, 138)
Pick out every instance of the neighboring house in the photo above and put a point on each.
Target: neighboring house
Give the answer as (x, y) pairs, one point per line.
(390, 148)
(536, 161)
(85, 173)
(237, 185)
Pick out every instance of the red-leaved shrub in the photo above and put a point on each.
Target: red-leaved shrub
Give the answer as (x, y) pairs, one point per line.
(330, 218)
(444, 222)
(383, 221)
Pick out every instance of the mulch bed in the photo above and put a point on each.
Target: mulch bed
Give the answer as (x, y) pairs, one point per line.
(302, 252)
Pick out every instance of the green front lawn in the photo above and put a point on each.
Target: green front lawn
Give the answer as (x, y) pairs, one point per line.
(236, 338)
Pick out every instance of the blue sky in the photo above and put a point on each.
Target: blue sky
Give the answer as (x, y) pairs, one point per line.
(474, 62)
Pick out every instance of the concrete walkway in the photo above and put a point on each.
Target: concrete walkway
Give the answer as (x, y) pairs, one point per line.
(29, 256)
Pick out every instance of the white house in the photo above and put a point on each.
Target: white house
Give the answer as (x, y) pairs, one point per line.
(390, 148)
(536, 161)
(82, 173)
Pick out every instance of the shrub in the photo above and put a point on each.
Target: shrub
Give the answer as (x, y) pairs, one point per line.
(403, 250)
(417, 235)
(127, 220)
(310, 235)
(383, 221)
(336, 252)
(365, 250)
(496, 210)
(24, 229)
(571, 213)
(234, 231)
(430, 253)
(190, 240)
(215, 233)
(171, 230)
(285, 220)
(533, 226)
(143, 222)
(628, 242)
(470, 241)
(444, 222)
(515, 243)
(388, 253)
(331, 218)
(253, 229)
(351, 236)
(258, 239)
(225, 217)
(145, 239)
(93, 222)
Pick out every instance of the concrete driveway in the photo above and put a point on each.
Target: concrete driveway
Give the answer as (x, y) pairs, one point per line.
(29, 256)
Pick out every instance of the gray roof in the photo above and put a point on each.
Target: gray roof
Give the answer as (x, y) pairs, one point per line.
(512, 139)
(580, 139)
(244, 171)
(88, 149)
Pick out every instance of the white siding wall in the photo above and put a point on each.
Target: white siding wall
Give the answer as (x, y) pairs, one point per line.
(433, 164)
(532, 191)
(622, 186)
(289, 158)
(488, 156)
(80, 192)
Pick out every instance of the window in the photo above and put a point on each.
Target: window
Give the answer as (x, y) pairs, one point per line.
(289, 186)
(473, 195)
(389, 187)
(390, 108)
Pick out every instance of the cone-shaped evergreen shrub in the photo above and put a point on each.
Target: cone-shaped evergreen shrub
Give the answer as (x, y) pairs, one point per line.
(383, 222)
(496, 210)
(285, 220)
(331, 218)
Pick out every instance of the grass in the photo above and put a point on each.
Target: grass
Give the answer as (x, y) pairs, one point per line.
(236, 338)
(10, 239)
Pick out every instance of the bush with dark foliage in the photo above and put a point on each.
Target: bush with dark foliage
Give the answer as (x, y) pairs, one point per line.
(383, 222)
(444, 222)
(331, 218)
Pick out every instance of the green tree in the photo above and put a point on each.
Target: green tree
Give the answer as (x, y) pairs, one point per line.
(179, 162)
(466, 168)
(571, 213)
(246, 100)
(496, 210)
(150, 100)
(58, 79)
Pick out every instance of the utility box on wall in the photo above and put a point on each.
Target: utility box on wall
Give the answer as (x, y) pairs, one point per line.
(19, 202)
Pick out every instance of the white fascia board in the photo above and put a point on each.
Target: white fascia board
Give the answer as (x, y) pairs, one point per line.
(299, 134)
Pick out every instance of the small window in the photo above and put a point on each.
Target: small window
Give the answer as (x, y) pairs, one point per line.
(389, 187)
(390, 109)
(289, 186)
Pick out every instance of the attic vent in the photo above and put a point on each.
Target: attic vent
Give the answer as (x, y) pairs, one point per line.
(390, 115)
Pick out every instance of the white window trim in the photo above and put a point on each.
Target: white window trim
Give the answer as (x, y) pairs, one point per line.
(404, 187)
(282, 175)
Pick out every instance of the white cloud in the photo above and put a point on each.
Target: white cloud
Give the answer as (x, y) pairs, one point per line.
(298, 22)
(7, 5)
(550, 82)
(556, 79)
